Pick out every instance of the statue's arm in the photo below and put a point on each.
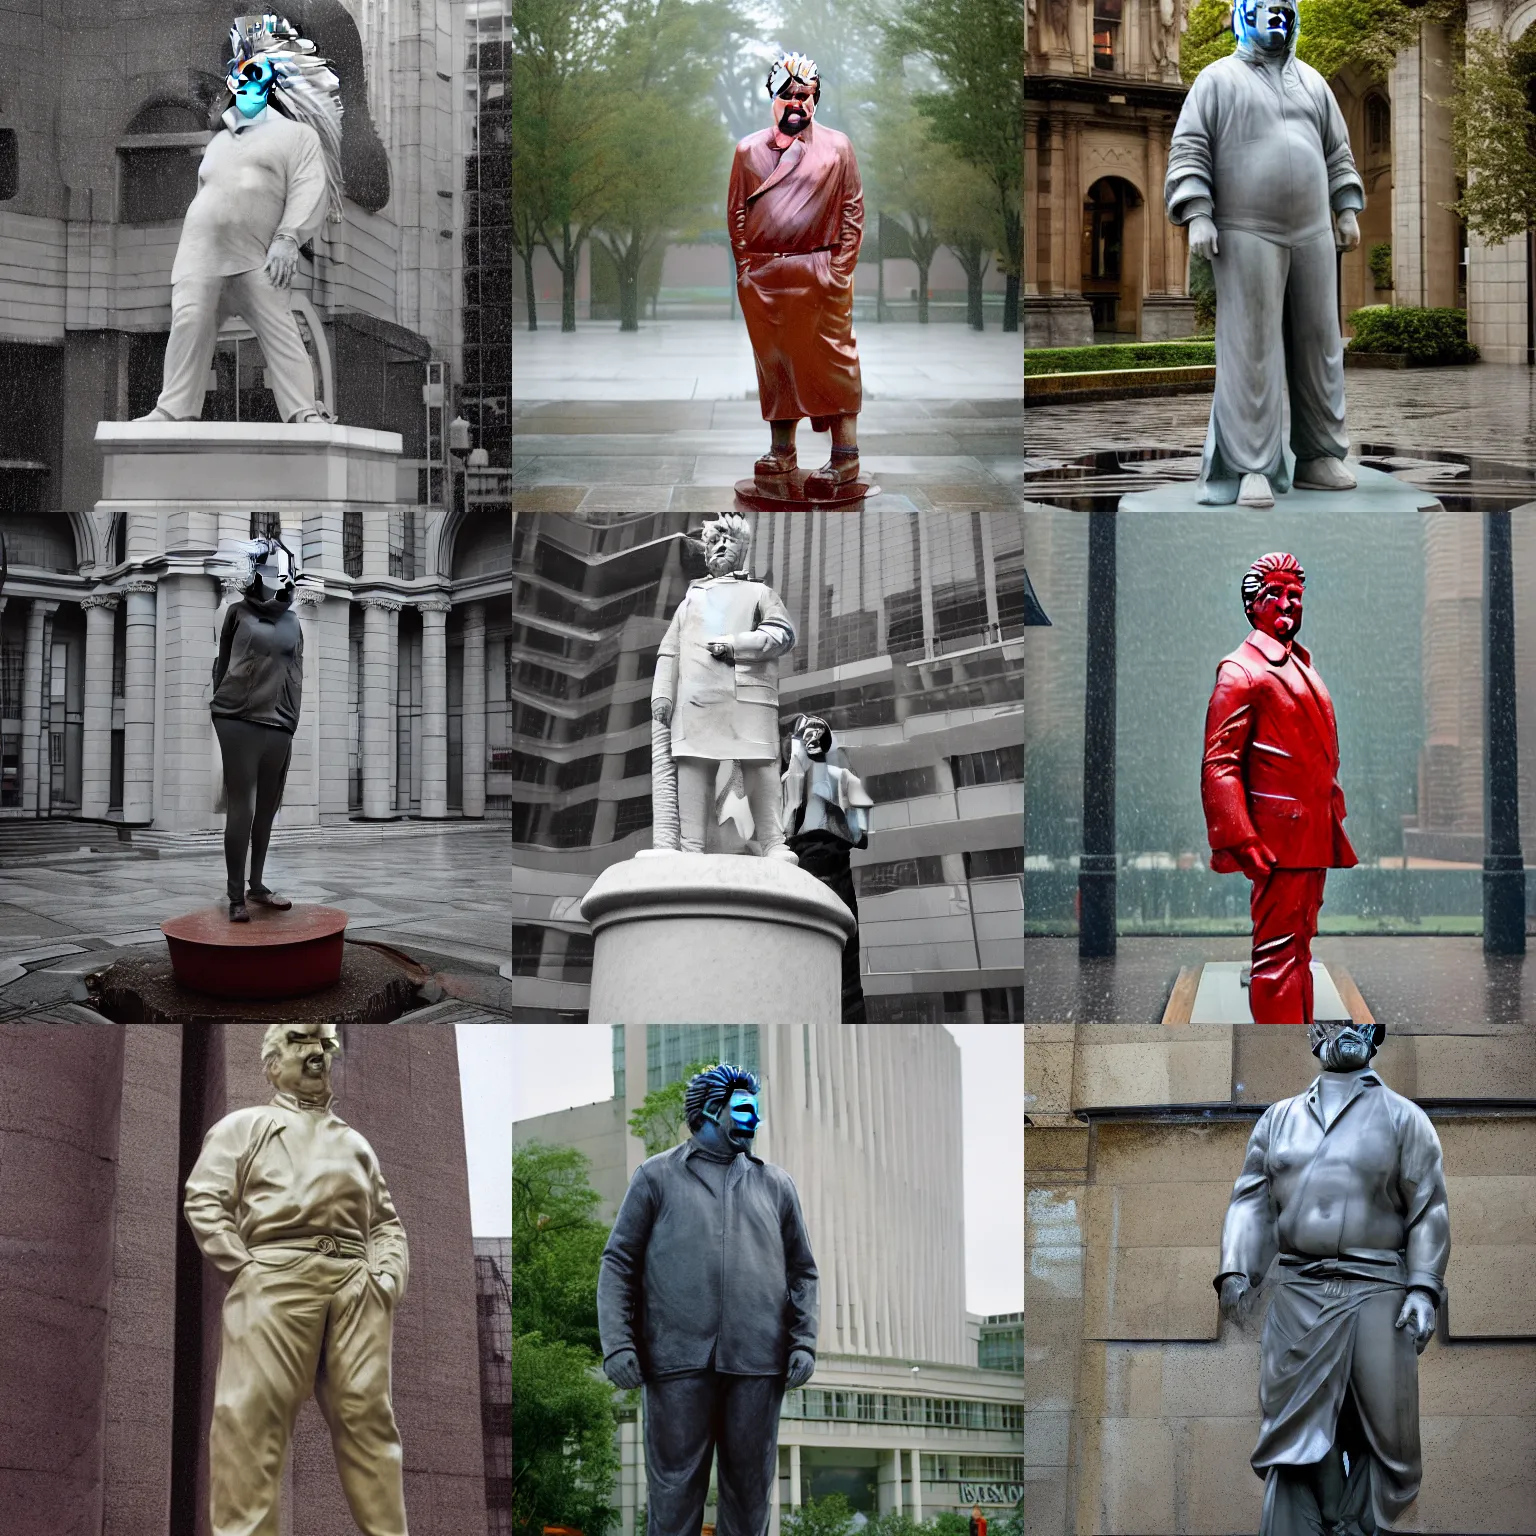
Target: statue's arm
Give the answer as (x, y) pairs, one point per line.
(802, 1282)
(304, 208)
(1249, 1239)
(1229, 722)
(226, 642)
(772, 635)
(851, 230)
(1187, 188)
(623, 1264)
(1345, 188)
(736, 211)
(391, 1253)
(211, 1196)
(664, 678)
(1426, 1211)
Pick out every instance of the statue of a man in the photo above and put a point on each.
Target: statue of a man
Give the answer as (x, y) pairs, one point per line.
(1260, 170)
(1344, 1184)
(795, 212)
(1269, 786)
(288, 1201)
(715, 699)
(708, 1298)
(268, 180)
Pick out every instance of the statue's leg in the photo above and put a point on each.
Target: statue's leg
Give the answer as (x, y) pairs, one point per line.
(1290, 1503)
(1384, 1382)
(748, 1453)
(1248, 406)
(241, 757)
(695, 800)
(274, 1320)
(195, 311)
(268, 312)
(352, 1393)
(271, 776)
(679, 1442)
(1315, 360)
(765, 799)
(1278, 992)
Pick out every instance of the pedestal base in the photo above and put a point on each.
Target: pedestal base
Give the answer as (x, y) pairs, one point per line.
(1216, 993)
(276, 954)
(710, 938)
(788, 495)
(1375, 491)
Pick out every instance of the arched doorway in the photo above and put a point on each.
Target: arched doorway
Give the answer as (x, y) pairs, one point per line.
(1112, 258)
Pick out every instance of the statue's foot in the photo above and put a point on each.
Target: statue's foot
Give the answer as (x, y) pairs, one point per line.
(1255, 492)
(841, 469)
(1324, 475)
(776, 464)
(783, 853)
(238, 912)
(310, 413)
(265, 898)
(155, 415)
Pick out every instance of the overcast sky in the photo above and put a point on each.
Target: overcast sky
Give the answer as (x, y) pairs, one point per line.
(488, 1087)
(554, 1066)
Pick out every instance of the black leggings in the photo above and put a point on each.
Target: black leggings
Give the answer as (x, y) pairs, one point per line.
(255, 769)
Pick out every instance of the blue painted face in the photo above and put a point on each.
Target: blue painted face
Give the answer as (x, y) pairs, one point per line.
(1269, 25)
(744, 1116)
(250, 82)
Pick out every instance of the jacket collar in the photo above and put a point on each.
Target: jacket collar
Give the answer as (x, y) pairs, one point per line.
(691, 1149)
(787, 162)
(289, 1101)
(1367, 1079)
(1276, 652)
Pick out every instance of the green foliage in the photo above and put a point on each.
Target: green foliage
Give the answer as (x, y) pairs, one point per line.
(1493, 133)
(563, 1429)
(831, 1515)
(1380, 263)
(948, 1523)
(1208, 38)
(1011, 1524)
(1140, 354)
(893, 1523)
(556, 1246)
(660, 1119)
(1202, 289)
(1427, 336)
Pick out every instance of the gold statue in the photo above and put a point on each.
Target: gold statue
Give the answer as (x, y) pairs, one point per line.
(288, 1200)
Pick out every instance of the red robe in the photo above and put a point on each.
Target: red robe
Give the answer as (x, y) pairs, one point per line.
(796, 221)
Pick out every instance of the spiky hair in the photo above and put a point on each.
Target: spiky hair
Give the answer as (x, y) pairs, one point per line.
(738, 527)
(304, 88)
(713, 1086)
(236, 559)
(1256, 577)
(793, 66)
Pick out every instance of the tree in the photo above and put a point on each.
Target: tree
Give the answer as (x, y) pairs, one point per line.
(660, 1116)
(906, 174)
(977, 49)
(1493, 132)
(557, 1244)
(831, 1515)
(966, 221)
(563, 1432)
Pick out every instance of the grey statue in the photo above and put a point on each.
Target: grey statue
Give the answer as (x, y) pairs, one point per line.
(715, 704)
(707, 1296)
(1343, 1188)
(258, 685)
(1260, 170)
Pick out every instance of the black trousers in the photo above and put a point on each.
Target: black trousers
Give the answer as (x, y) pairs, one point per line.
(690, 1419)
(255, 770)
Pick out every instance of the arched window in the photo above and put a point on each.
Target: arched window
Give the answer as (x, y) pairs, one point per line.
(158, 159)
(1378, 124)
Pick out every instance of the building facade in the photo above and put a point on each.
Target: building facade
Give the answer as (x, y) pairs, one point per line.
(866, 1120)
(910, 637)
(493, 1295)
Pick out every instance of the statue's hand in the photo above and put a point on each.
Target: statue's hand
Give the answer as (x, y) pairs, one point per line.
(623, 1370)
(1418, 1313)
(1202, 237)
(282, 260)
(1254, 859)
(1346, 229)
(801, 1363)
(721, 650)
(661, 711)
(1235, 1298)
(386, 1282)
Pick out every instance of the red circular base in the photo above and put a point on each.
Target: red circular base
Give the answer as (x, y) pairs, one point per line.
(788, 494)
(276, 954)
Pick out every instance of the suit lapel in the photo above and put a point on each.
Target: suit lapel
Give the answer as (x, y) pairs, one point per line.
(787, 162)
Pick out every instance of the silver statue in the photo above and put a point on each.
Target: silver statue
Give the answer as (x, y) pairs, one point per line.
(1343, 1185)
(715, 706)
(1260, 170)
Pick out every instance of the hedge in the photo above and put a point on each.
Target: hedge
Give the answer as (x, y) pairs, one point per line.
(1146, 354)
(1426, 336)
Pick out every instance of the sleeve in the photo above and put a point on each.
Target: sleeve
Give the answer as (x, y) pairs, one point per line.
(1191, 164)
(226, 642)
(1421, 1183)
(212, 1192)
(664, 678)
(1228, 730)
(772, 635)
(389, 1253)
(1345, 188)
(851, 229)
(1249, 1239)
(803, 1285)
(623, 1263)
(736, 211)
(304, 209)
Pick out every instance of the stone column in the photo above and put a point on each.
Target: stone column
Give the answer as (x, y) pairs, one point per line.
(96, 750)
(307, 599)
(473, 735)
(375, 705)
(139, 704)
(33, 759)
(917, 1485)
(434, 706)
(794, 1477)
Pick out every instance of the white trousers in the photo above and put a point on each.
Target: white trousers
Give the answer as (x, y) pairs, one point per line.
(198, 304)
(696, 801)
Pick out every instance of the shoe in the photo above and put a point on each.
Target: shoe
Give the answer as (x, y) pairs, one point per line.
(1324, 475)
(155, 415)
(776, 465)
(1255, 492)
(238, 913)
(838, 471)
(265, 898)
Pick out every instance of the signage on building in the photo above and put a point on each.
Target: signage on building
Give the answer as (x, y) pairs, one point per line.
(991, 1493)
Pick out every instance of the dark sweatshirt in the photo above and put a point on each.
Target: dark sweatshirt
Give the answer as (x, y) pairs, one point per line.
(259, 673)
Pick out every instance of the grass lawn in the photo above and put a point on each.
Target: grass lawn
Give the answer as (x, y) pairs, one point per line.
(1136, 354)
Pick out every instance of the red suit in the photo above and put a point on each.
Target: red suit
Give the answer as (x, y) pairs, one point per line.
(796, 220)
(1271, 772)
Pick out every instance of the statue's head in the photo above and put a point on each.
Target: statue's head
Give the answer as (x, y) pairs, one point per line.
(1267, 25)
(1342, 1046)
(794, 87)
(724, 1098)
(727, 543)
(1272, 594)
(274, 568)
(250, 83)
(297, 1058)
(814, 734)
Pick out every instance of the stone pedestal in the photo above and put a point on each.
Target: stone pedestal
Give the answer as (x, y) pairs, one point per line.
(1057, 321)
(1167, 317)
(706, 938)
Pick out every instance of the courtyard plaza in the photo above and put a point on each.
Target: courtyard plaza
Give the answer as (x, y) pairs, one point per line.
(70, 891)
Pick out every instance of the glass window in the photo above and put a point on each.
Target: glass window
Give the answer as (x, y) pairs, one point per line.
(1001, 765)
(1106, 31)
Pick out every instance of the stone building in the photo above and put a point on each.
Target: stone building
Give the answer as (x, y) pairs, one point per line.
(493, 1286)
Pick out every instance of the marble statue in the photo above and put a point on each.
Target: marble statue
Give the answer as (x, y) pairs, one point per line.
(795, 212)
(1260, 170)
(715, 705)
(258, 686)
(1343, 1190)
(1269, 787)
(707, 1297)
(288, 1201)
(269, 178)
(826, 816)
